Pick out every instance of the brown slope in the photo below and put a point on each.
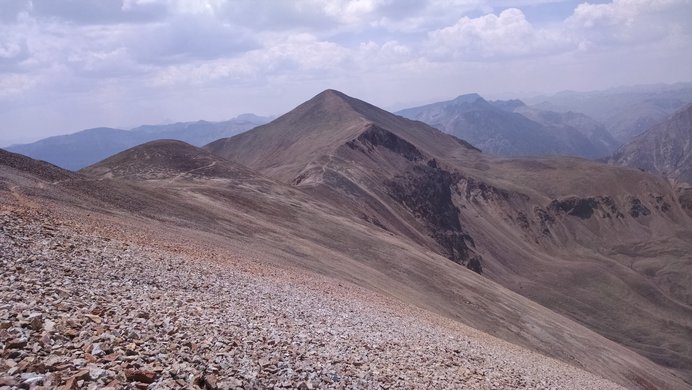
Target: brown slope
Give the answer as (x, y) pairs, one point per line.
(287, 227)
(285, 147)
(663, 149)
(166, 159)
(609, 247)
(35, 168)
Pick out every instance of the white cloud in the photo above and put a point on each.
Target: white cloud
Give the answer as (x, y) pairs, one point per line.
(492, 37)
(624, 22)
(299, 53)
(15, 84)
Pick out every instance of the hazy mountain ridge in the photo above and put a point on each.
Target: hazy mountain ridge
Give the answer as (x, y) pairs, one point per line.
(664, 149)
(510, 128)
(86, 147)
(626, 111)
(581, 132)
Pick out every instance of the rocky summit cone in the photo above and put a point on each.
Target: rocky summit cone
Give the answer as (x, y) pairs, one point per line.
(284, 147)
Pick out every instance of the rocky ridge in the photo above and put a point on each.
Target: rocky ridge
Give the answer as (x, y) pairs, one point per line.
(80, 310)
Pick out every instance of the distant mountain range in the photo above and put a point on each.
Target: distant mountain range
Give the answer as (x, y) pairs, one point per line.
(625, 111)
(665, 149)
(591, 125)
(510, 128)
(78, 150)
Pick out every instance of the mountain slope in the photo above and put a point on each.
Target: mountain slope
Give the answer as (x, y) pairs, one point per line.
(665, 149)
(602, 245)
(501, 128)
(165, 159)
(288, 227)
(75, 151)
(581, 133)
(161, 286)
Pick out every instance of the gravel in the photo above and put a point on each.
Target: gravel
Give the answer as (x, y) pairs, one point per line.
(79, 310)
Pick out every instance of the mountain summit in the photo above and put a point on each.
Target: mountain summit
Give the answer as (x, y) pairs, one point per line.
(316, 128)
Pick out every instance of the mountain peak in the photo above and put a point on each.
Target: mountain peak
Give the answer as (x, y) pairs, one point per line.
(330, 100)
(283, 148)
(508, 105)
(469, 98)
(331, 92)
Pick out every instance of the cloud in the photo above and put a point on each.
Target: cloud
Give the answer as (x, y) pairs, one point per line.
(493, 37)
(300, 53)
(10, 9)
(185, 39)
(99, 12)
(13, 51)
(15, 84)
(624, 22)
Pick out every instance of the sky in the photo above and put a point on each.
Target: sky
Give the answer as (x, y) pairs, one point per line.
(67, 65)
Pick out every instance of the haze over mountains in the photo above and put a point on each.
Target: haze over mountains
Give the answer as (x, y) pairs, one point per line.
(665, 149)
(625, 111)
(510, 128)
(590, 125)
(75, 151)
(585, 262)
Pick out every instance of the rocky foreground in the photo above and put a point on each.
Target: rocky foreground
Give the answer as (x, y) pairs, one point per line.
(80, 310)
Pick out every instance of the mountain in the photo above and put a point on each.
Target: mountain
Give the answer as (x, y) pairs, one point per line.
(605, 246)
(75, 151)
(79, 149)
(318, 127)
(259, 280)
(202, 132)
(584, 262)
(664, 149)
(627, 111)
(501, 128)
(181, 230)
(166, 159)
(579, 131)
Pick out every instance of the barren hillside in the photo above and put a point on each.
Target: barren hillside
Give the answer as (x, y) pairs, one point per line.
(597, 243)
(274, 224)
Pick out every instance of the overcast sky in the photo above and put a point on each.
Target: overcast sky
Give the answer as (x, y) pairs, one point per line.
(67, 65)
